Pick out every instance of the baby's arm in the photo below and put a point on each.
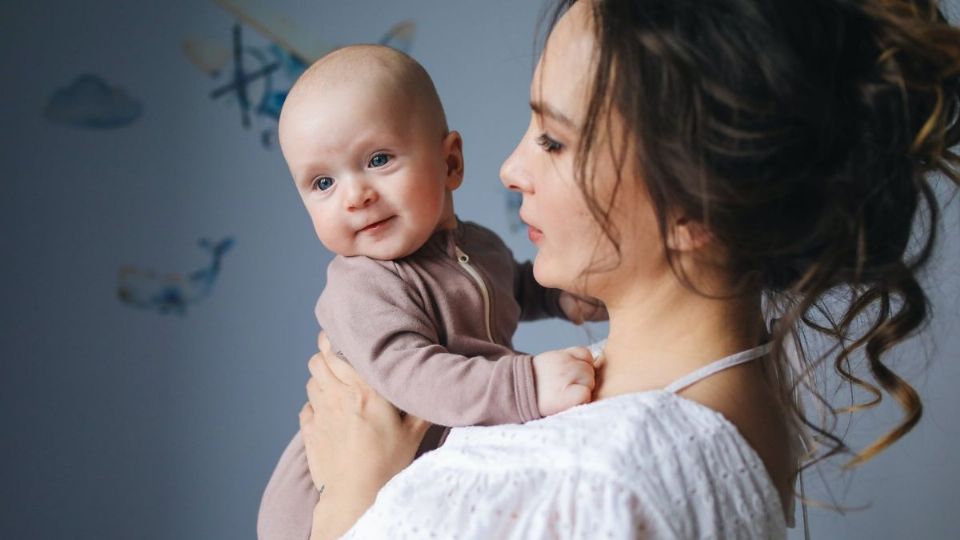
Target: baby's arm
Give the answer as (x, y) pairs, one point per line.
(539, 302)
(382, 326)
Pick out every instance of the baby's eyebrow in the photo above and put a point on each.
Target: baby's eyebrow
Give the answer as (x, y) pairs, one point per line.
(306, 180)
(544, 109)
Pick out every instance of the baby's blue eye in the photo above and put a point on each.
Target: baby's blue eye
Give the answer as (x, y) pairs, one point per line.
(323, 183)
(379, 160)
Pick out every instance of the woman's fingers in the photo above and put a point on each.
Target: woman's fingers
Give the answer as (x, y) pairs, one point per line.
(333, 378)
(323, 344)
(336, 364)
(329, 388)
(321, 371)
(417, 425)
(341, 370)
(314, 393)
(345, 418)
(306, 415)
(344, 371)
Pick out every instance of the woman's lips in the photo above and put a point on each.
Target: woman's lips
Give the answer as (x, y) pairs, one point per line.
(534, 234)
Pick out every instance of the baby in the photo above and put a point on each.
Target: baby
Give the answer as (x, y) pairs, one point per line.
(422, 305)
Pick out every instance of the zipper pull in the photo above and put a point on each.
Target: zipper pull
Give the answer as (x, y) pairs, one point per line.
(464, 261)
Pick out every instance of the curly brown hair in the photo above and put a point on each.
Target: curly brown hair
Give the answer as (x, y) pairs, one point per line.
(802, 134)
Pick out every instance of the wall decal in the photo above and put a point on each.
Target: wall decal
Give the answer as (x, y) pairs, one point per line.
(90, 102)
(171, 293)
(257, 79)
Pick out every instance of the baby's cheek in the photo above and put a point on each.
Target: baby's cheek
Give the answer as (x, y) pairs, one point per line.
(333, 240)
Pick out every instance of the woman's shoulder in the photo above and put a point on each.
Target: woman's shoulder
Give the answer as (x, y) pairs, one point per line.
(649, 460)
(617, 436)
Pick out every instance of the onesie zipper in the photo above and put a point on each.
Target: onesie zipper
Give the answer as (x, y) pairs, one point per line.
(464, 261)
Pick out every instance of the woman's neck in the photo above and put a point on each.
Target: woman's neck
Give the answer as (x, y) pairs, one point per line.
(658, 336)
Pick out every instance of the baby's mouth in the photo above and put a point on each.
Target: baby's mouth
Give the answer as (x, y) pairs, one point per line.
(376, 225)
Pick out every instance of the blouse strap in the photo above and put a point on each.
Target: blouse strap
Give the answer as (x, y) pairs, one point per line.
(717, 366)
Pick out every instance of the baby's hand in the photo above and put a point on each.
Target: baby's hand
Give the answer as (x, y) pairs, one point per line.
(563, 379)
(580, 308)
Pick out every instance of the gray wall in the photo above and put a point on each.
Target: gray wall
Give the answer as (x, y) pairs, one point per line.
(126, 423)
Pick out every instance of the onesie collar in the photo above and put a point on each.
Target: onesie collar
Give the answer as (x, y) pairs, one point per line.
(445, 241)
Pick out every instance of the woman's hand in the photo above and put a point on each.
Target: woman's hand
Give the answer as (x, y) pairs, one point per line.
(355, 441)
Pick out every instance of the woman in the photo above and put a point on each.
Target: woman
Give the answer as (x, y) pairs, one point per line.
(682, 160)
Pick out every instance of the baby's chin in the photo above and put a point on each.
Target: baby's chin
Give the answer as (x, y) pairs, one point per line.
(386, 255)
(396, 244)
(380, 253)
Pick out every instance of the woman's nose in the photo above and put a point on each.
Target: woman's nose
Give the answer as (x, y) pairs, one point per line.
(513, 173)
(359, 195)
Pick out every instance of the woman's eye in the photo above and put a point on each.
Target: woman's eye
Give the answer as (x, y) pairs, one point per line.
(379, 160)
(323, 183)
(549, 145)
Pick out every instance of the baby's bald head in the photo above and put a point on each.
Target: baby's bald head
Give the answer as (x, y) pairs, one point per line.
(389, 74)
(367, 144)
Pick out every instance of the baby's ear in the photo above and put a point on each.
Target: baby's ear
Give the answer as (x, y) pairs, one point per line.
(687, 234)
(453, 157)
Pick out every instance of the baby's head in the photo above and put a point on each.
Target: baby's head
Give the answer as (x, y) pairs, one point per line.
(366, 140)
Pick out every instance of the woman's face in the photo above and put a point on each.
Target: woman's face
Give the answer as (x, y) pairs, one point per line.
(572, 251)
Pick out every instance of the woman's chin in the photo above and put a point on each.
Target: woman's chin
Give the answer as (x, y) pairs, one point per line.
(546, 274)
(564, 275)
(538, 273)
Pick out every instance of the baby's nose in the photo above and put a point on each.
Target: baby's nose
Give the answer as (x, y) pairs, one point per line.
(360, 196)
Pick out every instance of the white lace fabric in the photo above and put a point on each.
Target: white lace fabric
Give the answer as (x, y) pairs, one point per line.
(642, 465)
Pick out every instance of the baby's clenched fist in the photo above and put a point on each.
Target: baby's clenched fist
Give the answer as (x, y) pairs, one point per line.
(563, 379)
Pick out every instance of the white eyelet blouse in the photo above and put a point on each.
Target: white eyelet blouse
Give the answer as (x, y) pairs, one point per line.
(643, 465)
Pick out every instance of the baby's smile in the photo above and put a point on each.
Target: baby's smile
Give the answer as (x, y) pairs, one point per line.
(377, 226)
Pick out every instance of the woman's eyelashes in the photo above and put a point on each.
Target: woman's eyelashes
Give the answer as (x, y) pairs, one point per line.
(549, 144)
(322, 183)
(379, 160)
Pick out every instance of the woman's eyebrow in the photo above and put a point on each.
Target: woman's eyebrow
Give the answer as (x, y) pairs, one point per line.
(544, 109)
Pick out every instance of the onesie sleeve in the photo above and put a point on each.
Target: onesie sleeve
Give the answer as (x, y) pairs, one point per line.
(536, 301)
(380, 325)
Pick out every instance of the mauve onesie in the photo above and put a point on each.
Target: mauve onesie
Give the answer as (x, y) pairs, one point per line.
(431, 333)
